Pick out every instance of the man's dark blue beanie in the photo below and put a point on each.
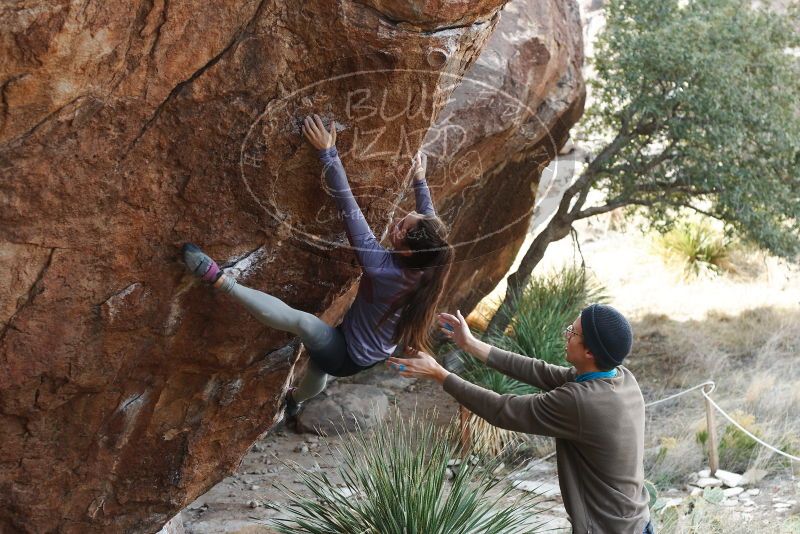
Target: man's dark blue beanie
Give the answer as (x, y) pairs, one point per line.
(607, 334)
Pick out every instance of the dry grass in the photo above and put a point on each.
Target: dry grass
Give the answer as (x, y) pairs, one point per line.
(716, 520)
(487, 439)
(753, 359)
(760, 384)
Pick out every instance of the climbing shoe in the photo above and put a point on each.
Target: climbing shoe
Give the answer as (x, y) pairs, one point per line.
(200, 264)
(292, 407)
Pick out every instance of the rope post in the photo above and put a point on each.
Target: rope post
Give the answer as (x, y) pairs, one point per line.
(713, 453)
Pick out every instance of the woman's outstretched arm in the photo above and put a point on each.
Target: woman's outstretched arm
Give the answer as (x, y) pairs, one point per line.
(421, 192)
(370, 253)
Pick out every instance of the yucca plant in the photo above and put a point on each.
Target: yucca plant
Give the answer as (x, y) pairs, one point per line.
(701, 249)
(550, 303)
(478, 373)
(485, 438)
(544, 309)
(395, 482)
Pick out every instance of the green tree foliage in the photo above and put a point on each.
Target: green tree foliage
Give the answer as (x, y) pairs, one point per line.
(696, 106)
(700, 99)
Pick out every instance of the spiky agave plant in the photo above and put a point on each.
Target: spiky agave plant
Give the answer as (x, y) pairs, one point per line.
(702, 249)
(547, 305)
(395, 482)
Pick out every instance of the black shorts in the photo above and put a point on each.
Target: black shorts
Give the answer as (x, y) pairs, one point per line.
(334, 359)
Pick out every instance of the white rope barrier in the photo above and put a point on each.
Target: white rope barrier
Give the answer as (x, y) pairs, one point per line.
(684, 392)
(707, 395)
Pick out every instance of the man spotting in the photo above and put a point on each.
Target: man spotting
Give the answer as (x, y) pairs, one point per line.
(594, 409)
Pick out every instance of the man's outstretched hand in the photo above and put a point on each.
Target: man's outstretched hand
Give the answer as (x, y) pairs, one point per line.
(456, 329)
(315, 132)
(418, 365)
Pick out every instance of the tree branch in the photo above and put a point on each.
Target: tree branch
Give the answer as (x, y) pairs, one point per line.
(688, 189)
(590, 174)
(621, 202)
(666, 155)
(696, 209)
(599, 210)
(557, 228)
(582, 196)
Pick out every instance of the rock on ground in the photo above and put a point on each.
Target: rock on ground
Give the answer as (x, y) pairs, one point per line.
(708, 482)
(344, 408)
(732, 480)
(545, 489)
(380, 376)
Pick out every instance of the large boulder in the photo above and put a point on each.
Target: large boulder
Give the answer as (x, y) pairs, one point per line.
(502, 126)
(128, 128)
(344, 408)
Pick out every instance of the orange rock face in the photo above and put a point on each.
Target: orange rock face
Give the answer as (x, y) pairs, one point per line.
(128, 128)
(505, 121)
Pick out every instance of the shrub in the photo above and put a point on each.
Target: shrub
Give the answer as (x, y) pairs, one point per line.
(698, 247)
(489, 440)
(545, 308)
(485, 438)
(739, 452)
(478, 373)
(737, 449)
(676, 455)
(395, 482)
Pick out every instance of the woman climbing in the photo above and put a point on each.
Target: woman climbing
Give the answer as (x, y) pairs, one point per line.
(397, 296)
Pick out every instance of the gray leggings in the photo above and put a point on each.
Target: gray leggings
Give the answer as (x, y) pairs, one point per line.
(326, 345)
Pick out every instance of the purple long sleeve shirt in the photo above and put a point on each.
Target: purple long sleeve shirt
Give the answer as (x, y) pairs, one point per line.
(383, 279)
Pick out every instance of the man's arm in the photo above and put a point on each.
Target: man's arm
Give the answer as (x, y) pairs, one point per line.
(529, 370)
(547, 414)
(532, 371)
(554, 413)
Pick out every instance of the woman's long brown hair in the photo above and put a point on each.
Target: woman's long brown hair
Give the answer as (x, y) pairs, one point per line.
(431, 253)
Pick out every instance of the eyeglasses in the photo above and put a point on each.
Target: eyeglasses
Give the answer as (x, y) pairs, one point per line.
(570, 331)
